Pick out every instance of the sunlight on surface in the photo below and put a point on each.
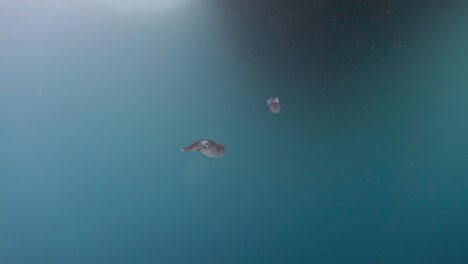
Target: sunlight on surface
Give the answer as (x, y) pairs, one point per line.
(148, 6)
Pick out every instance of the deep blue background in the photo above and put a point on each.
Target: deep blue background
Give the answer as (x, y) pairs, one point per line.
(367, 163)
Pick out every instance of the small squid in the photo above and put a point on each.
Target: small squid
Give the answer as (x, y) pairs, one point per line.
(273, 105)
(207, 147)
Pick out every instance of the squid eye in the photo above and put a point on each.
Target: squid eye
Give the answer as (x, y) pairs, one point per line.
(205, 143)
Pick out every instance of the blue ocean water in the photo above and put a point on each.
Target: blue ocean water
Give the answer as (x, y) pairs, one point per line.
(96, 102)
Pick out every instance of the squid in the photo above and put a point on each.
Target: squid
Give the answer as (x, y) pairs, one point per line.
(207, 147)
(273, 105)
